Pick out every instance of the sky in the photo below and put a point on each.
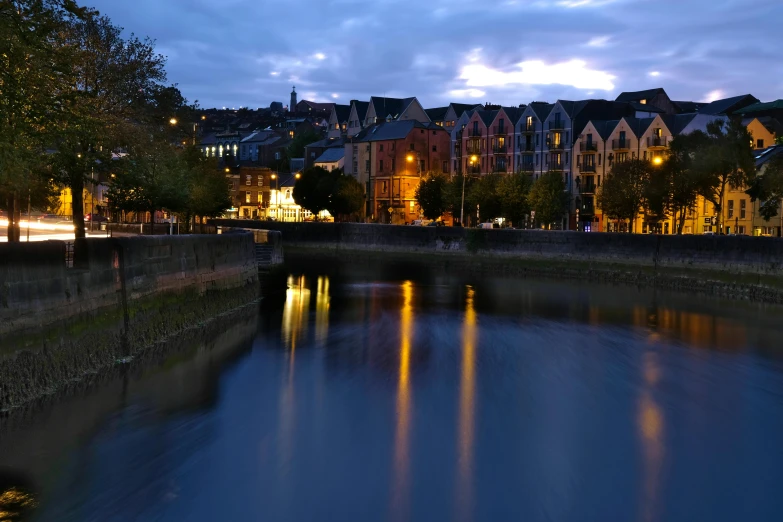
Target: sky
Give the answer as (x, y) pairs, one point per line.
(248, 53)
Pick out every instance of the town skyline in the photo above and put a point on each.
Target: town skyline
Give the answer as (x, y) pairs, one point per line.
(511, 54)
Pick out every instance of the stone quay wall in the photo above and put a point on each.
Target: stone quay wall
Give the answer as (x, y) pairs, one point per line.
(64, 314)
(735, 266)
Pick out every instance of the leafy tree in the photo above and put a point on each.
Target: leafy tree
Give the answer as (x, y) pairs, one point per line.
(35, 73)
(768, 188)
(483, 193)
(683, 179)
(512, 191)
(623, 191)
(314, 188)
(456, 188)
(296, 149)
(208, 194)
(115, 84)
(657, 195)
(548, 197)
(431, 195)
(347, 196)
(724, 159)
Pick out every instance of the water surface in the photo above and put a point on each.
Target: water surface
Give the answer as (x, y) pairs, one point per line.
(413, 396)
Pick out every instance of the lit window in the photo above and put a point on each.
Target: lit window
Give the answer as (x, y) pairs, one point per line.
(247, 197)
(260, 180)
(248, 181)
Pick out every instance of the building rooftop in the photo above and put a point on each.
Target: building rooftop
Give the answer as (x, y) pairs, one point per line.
(331, 155)
(648, 94)
(728, 105)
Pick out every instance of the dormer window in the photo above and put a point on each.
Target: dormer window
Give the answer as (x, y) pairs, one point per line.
(643, 102)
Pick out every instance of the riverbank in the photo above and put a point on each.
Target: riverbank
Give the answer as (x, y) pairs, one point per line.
(66, 317)
(737, 267)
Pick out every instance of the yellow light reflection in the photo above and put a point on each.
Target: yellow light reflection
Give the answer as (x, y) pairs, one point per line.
(401, 491)
(651, 427)
(295, 312)
(467, 396)
(322, 310)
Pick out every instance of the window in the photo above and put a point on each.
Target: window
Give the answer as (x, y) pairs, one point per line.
(645, 154)
(287, 194)
(589, 140)
(759, 144)
(434, 148)
(412, 145)
(621, 156)
(393, 164)
(529, 123)
(260, 180)
(248, 180)
(367, 165)
(259, 197)
(741, 229)
(247, 196)
(657, 132)
(380, 165)
(731, 209)
(277, 155)
(392, 145)
(599, 159)
(742, 208)
(380, 147)
(384, 187)
(445, 166)
(537, 136)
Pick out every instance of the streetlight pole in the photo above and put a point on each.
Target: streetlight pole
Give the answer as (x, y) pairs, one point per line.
(418, 171)
(462, 205)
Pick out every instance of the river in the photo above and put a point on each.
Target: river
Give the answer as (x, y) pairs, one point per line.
(405, 395)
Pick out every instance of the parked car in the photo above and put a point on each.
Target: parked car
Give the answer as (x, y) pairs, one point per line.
(489, 225)
(95, 218)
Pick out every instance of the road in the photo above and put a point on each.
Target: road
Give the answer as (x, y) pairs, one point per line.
(45, 231)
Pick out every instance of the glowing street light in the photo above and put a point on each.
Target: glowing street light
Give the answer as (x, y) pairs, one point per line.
(657, 160)
(297, 176)
(228, 169)
(173, 121)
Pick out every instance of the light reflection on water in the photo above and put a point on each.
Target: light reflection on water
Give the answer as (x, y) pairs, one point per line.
(448, 399)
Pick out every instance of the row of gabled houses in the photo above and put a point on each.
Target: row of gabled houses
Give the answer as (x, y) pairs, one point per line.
(388, 143)
(581, 140)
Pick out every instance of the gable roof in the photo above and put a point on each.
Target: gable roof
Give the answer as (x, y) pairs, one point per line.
(604, 127)
(541, 109)
(437, 114)
(331, 155)
(361, 108)
(629, 96)
(677, 122)
(385, 107)
(460, 108)
(568, 107)
(639, 125)
(395, 130)
(514, 113)
(316, 106)
(343, 112)
(646, 107)
(728, 105)
(689, 106)
(761, 107)
(258, 136)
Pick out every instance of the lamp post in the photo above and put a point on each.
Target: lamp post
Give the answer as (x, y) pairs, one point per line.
(473, 160)
(409, 158)
(299, 210)
(277, 196)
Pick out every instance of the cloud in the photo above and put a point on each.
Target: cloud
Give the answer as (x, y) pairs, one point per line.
(574, 73)
(711, 96)
(458, 50)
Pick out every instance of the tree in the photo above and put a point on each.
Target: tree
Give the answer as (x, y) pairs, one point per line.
(513, 191)
(296, 149)
(35, 73)
(347, 197)
(548, 197)
(768, 188)
(314, 188)
(114, 86)
(431, 195)
(453, 193)
(623, 192)
(683, 179)
(724, 159)
(482, 197)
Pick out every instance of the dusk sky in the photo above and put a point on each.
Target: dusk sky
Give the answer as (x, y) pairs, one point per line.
(249, 53)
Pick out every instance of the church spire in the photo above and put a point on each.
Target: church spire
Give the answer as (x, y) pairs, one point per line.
(292, 107)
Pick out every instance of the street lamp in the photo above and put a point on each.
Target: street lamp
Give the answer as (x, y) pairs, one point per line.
(473, 160)
(173, 121)
(657, 160)
(277, 195)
